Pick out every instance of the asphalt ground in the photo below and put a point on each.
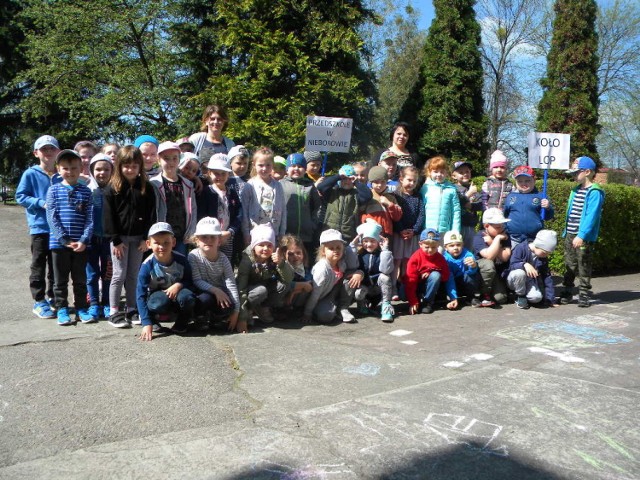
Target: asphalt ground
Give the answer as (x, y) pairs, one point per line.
(473, 394)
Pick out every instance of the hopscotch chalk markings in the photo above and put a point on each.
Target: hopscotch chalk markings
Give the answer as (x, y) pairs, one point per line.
(565, 357)
(459, 430)
(400, 333)
(409, 342)
(481, 357)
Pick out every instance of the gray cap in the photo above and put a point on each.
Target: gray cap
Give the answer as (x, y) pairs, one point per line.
(160, 227)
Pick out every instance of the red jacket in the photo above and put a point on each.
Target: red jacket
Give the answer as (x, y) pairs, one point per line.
(420, 263)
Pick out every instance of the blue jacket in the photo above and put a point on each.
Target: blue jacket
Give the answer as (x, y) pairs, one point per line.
(524, 211)
(375, 263)
(591, 213)
(32, 194)
(457, 266)
(441, 206)
(522, 254)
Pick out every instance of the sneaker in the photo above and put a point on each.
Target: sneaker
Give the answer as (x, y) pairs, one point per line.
(202, 323)
(363, 308)
(95, 311)
(387, 312)
(106, 311)
(85, 316)
(264, 314)
(583, 301)
(157, 328)
(63, 316)
(179, 327)
(565, 297)
(395, 298)
(118, 320)
(52, 304)
(475, 302)
(43, 310)
(427, 309)
(133, 318)
(347, 316)
(487, 301)
(522, 303)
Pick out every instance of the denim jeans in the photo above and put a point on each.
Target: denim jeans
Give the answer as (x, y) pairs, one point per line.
(159, 303)
(98, 256)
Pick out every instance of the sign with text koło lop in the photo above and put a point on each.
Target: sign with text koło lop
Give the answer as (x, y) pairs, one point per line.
(328, 134)
(549, 150)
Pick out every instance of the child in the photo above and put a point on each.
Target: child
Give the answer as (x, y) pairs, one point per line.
(375, 260)
(426, 271)
(187, 146)
(164, 282)
(279, 168)
(213, 276)
(496, 188)
(111, 150)
(383, 206)
(335, 280)
(296, 256)
(440, 197)
(99, 251)
(362, 171)
(87, 150)
(389, 161)
(406, 230)
(129, 212)
(263, 197)
(303, 201)
(492, 248)
(314, 166)
(463, 267)
(32, 195)
(70, 218)
(470, 201)
(264, 278)
(343, 197)
(582, 224)
(175, 196)
(188, 166)
(239, 162)
(529, 274)
(148, 146)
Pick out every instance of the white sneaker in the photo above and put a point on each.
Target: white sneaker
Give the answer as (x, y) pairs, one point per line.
(346, 315)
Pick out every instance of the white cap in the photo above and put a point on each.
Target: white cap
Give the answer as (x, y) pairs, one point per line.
(186, 157)
(219, 161)
(164, 146)
(208, 226)
(452, 236)
(494, 216)
(238, 150)
(45, 140)
(330, 235)
(160, 227)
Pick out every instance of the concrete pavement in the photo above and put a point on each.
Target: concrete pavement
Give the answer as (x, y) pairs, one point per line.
(474, 394)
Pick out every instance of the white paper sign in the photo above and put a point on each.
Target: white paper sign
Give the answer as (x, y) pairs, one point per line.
(328, 134)
(549, 150)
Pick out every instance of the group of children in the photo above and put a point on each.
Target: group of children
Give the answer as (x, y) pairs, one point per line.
(95, 215)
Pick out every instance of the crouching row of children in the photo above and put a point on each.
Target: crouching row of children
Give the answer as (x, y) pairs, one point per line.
(275, 277)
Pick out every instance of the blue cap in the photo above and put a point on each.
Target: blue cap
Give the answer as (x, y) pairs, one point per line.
(347, 171)
(430, 234)
(583, 163)
(296, 159)
(145, 139)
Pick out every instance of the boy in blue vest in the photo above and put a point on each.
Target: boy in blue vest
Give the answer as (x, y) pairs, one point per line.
(584, 211)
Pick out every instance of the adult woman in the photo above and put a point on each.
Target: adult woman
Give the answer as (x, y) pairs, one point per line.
(210, 139)
(399, 138)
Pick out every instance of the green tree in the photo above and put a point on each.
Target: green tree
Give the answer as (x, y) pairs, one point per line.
(569, 101)
(291, 59)
(448, 97)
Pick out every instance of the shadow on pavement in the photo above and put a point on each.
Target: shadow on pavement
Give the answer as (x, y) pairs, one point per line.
(617, 296)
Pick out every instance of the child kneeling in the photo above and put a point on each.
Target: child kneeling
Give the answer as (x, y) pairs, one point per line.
(427, 270)
(164, 282)
(463, 267)
(213, 277)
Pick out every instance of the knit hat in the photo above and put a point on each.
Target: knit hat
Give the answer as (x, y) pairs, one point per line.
(370, 229)
(498, 159)
(387, 154)
(494, 216)
(145, 139)
(430, 234)
(378, 174)
(330, 235)
(546, 240)
(582, 163)
(219, 161)
(263, 233)
(186, 157)
(208, 226)
(312, 156)
(457, 165)
(99, 157)
(45, 140)
(237, 150)
(160, 227)
(523, 170)
(62, 154)
(296, 159)
(166, 146)
(452, 236)
(346, 171)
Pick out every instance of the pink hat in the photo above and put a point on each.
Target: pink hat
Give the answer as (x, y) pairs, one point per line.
(165, 146)
(498, 159)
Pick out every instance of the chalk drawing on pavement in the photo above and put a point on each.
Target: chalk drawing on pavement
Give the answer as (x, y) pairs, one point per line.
(308, 472)
(409, 342)
(564, 356)
(481, 357)
(460, 430)
(453, 364)
(365, 369)
(400, 333)
(602, 320)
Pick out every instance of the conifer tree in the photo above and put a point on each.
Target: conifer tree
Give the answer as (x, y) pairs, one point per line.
(569, 102)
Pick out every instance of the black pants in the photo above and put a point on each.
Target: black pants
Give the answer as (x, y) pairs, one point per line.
(67, 262)
(41, 280)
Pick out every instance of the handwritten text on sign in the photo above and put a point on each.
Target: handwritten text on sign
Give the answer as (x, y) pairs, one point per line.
(328, 134)
(549, 150)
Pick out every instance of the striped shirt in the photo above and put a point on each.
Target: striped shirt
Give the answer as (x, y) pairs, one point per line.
(218, 273)
(573, 221)
(69, 214)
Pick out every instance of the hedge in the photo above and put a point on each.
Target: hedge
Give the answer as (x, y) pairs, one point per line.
(618, 245)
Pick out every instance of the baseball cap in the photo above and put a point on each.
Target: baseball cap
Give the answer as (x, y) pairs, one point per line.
(523, 170)
(45, 140)
(184, 141)
(208, 226)
(166, 146)
(62, 154)
(330, 235)
(237, 150)
(462, 163)
(430, 234)
(453, 236)
(219, 161)
(187, 157)
(160, 227)
(279, 160)
(583, 163)
(494, 216)
(387, 154)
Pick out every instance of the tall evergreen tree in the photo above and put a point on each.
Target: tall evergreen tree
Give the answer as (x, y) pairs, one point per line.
(569, 102)
(447, 102)
(291, 59)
